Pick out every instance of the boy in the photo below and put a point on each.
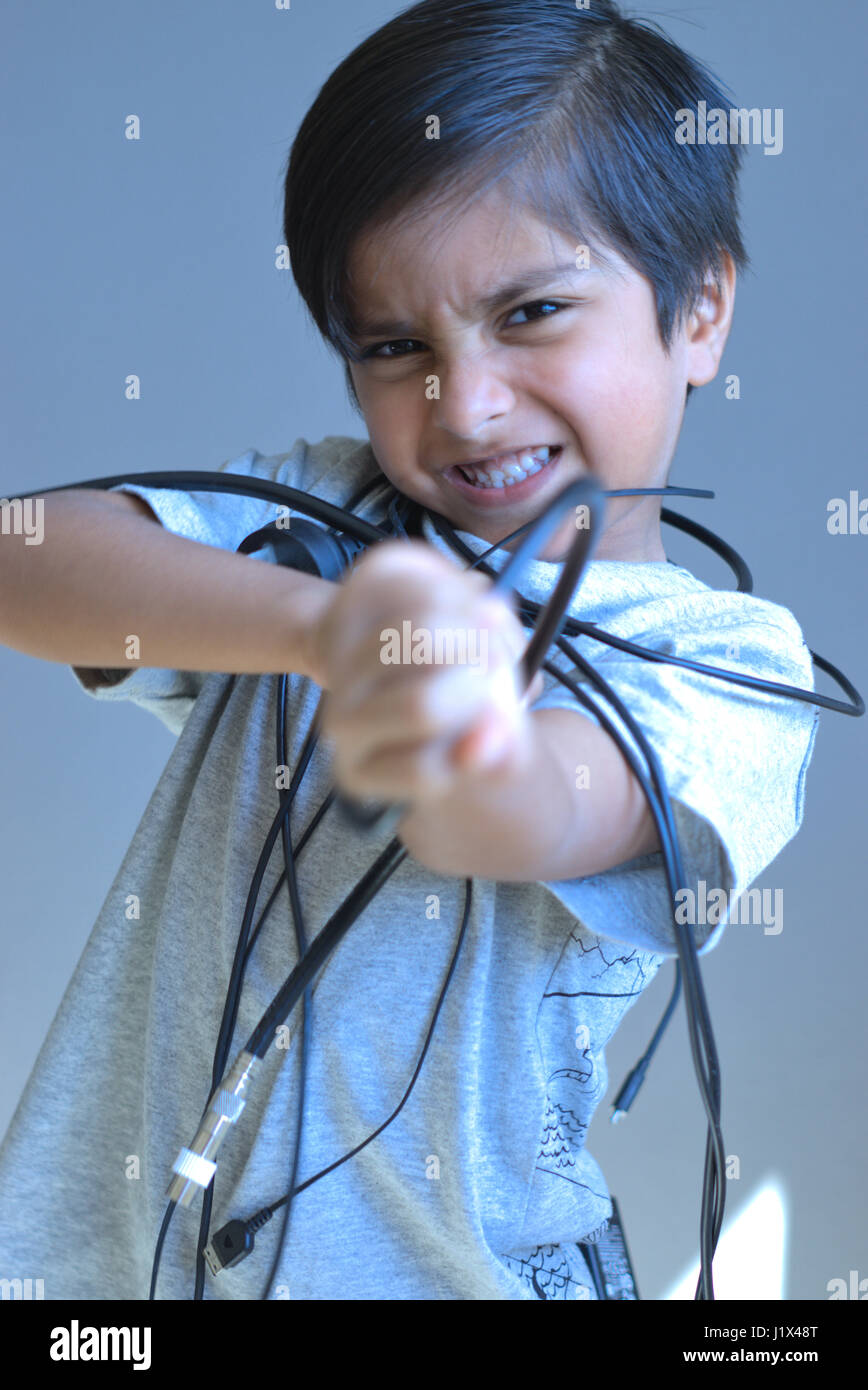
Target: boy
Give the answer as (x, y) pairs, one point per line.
(468, 167)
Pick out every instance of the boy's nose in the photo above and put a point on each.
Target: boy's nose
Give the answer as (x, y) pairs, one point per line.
(472, 396)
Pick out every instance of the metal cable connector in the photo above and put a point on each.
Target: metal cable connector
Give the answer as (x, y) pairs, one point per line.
(195, 1167)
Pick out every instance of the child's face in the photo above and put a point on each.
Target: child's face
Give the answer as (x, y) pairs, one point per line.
(591, 377)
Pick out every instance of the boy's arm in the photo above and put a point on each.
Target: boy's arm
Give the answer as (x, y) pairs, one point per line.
(527, 820)
(104, 572)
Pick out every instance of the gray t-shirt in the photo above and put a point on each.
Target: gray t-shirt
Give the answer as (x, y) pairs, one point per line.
(482, 1185)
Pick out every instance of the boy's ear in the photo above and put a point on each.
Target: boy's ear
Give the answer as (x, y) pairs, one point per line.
(709, 324)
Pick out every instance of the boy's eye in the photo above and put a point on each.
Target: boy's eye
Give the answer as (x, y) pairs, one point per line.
(538, 304)
(379, 349)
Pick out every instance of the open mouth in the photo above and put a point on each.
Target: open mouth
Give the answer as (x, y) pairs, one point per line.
(509, 469)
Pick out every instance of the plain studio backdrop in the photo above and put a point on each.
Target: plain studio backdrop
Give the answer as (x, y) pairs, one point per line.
(157, 257)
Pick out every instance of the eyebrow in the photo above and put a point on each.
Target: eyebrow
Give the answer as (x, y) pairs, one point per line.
(527, 282)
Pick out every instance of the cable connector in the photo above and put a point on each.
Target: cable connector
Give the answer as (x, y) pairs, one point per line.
(194, 1168)
(627, 1094)
(232, 1243)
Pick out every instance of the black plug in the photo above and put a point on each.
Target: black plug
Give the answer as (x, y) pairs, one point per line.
(232, 1243)
(627, 1094)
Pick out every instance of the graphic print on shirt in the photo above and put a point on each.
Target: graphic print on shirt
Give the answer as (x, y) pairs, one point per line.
(554, 1272)
(593, 985)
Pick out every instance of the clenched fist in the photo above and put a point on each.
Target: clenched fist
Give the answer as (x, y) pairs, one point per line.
(421, 662)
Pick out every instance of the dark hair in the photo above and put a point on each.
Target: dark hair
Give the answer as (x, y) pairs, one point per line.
(576, 108)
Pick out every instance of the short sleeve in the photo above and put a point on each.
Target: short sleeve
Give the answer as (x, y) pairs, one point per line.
(734, 761)
(330, 468)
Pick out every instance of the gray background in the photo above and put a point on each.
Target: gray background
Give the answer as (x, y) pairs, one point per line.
(157, 257)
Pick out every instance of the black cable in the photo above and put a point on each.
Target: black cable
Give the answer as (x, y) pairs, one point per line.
(397, 514)
(576, 627)
(158, 1251)
(694, 995)
(309, 505)
(237, 977)
(236, 982)
(713, 1187)
(696, 1007)
(241, 962)
(794, 692)
(710, 1088)
(629, 1089)
(637, 653)
(382, 869)
(203, 480)
(395, 853)
(722, 548)
(243, 953)
(652, 796)
(301, 942)
(664, 827)
(578, 557)
(266, 1213)
(231, 1005)
(301, 945)
(282, 879)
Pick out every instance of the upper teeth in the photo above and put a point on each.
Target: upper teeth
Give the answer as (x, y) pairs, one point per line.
(508, 468)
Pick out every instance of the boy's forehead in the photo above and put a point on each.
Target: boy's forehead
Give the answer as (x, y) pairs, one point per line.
(475, 256)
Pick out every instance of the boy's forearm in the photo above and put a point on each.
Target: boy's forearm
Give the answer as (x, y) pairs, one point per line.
(507, 824)
(529, 821)
(101, 577)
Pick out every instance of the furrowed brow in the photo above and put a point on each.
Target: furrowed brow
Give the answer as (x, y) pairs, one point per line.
(526, 283)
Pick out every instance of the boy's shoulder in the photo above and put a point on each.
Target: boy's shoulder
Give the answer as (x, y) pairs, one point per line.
(668, 608)
(662, 592)
(332, 468)
(659, 599)
(328, 465)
